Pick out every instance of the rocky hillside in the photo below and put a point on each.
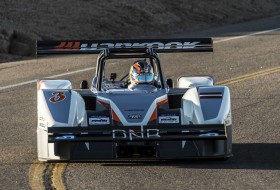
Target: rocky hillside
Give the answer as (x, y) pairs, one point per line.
(22, 22)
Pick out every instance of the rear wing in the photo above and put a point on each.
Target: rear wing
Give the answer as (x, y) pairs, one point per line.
(96, 46)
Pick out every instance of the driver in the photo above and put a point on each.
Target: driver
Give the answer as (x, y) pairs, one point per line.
(141, 73)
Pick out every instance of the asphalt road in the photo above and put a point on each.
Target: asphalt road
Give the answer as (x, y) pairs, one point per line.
(255, 109)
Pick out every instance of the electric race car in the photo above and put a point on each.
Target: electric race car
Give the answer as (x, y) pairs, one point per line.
(109, 119)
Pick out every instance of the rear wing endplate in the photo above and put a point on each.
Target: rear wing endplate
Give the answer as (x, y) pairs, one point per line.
(95, 46)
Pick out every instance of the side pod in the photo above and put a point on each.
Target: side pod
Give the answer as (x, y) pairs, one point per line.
(207, 105)
(57, 108)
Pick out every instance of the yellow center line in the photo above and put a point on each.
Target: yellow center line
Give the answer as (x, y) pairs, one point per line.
(57, 176)
(249, 76)
(36, 174)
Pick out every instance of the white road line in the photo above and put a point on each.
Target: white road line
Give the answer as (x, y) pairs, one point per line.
(91, 68)
(73, 72)
(247, 35)
(54, 76)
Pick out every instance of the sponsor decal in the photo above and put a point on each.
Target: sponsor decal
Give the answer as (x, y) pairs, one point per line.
(134, 116)
(134, 110)
(42, 125)
(168, 119)
(41, 119)
(209, 135)
(57, 97)
(100, 46)
(65, 137)
(132, 134)
(98, 120)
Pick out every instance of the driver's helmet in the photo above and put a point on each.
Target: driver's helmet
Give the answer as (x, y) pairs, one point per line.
(141, 73)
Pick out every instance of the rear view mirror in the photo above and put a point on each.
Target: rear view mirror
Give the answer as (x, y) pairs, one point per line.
(84, 84)
(113, 76)
(169, 82)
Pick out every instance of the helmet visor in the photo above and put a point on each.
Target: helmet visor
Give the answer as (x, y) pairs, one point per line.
(144, 78)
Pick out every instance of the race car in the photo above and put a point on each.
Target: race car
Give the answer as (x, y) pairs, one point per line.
(132, 113)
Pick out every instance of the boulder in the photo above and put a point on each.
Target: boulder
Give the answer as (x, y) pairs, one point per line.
(5, 36)
(23, 43)
(20, 48)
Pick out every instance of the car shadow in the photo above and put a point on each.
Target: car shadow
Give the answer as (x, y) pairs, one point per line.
(259, 156)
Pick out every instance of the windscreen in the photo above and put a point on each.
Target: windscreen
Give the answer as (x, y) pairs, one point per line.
(117, 73)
